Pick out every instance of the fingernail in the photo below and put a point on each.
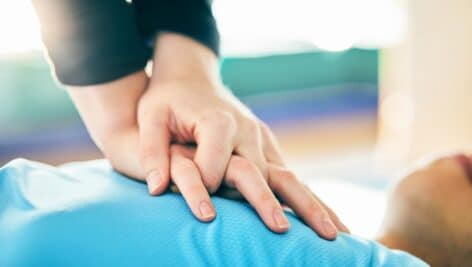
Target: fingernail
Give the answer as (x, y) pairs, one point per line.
(206, 210)
(154, 180)
(280, 219)
(328, 227)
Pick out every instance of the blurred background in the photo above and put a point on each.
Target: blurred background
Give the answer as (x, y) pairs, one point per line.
(354, 90)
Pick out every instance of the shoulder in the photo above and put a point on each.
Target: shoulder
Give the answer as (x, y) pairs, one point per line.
(85, 214)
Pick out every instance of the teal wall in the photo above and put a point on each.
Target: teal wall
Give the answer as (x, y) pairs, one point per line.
(249, 76)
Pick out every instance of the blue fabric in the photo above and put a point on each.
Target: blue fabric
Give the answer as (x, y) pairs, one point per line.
(84, 214)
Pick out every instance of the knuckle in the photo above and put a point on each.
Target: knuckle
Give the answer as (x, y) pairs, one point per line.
(288, 176)
(222, 120)
(264, 171)
(251, 126)
(314, 210)
(265, 198)
(243, 164)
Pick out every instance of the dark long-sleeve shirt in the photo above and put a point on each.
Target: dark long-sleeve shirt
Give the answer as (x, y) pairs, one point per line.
(96, 41)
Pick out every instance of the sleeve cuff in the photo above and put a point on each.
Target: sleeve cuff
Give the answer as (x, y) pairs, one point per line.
(91, 42)
(192, 18)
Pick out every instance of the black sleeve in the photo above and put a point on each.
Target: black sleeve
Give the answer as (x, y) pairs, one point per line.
(192, 18)
(91, 41)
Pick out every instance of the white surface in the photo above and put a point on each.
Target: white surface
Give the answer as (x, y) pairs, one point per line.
(350, 185)
(359, 207)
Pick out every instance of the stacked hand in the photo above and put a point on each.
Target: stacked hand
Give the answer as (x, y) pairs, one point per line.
(183, 126)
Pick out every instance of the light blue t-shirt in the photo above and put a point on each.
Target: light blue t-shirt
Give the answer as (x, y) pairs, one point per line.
(85, 214)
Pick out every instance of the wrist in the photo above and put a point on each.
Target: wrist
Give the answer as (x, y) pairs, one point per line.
(178, 57)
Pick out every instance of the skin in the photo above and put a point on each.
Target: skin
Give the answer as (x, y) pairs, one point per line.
(429, 213)
(182, 126)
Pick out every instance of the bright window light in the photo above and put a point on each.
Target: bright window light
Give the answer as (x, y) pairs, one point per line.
(257, 26)
(331, 25)
(19, 29)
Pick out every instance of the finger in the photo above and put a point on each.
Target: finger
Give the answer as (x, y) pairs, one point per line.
(271, 148)
(154, 144)
(214, 135)
(187, 178)
(223, 191)
(301, 201)
(250, 147)
(339, 224)
(244, 176)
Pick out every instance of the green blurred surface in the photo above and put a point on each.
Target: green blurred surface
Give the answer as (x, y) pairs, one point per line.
(31, 100)
(248, 76)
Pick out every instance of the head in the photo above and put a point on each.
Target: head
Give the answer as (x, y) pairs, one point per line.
(430, 213)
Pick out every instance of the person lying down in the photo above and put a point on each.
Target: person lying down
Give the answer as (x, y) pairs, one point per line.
(85, 214)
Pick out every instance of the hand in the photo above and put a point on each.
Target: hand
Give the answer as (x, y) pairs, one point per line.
(185, 175)
(186, 103)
